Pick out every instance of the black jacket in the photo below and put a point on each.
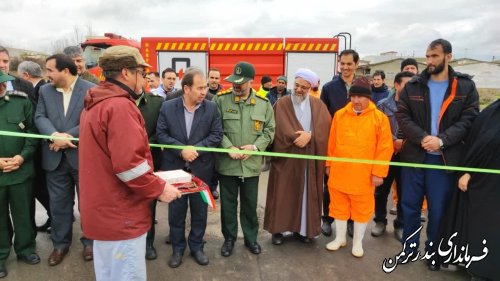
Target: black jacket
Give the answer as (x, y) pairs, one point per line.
(22, 85)
(414, 116)
(334, 94)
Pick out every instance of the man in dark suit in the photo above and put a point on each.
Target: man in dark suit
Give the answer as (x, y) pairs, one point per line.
(189, 120)
(32, 72)
(149, 105)
(58, 114)
(17, 84)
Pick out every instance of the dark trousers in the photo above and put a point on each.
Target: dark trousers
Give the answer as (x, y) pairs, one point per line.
(214, 181)
(230, 186)
(326, 202)
(150, 237)
(382, 192)
(40, 191)
(438, 186)
(18, 197)
(61, 185)
(177, 211)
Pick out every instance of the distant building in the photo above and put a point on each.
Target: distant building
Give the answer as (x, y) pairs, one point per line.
(485, 74)
(390, 67)
(463, 61)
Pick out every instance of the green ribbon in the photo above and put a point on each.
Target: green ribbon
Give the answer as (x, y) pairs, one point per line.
(286, 155)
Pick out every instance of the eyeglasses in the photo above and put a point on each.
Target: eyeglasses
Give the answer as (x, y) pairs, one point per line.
(141, 72)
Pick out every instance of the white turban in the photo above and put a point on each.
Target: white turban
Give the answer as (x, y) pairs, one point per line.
(307, 75)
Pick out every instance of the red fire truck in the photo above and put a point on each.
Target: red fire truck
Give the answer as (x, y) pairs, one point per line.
(95, 45)
(270, 56)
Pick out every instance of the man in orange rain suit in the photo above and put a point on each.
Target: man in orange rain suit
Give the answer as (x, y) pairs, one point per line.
(359, 131)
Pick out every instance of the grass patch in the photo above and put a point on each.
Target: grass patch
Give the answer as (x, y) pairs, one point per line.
(487, 96)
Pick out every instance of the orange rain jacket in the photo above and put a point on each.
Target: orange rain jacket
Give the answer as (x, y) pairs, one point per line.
(364, 136)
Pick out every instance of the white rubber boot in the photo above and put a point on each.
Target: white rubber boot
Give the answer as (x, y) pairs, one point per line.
(357, 239)
(340, 236)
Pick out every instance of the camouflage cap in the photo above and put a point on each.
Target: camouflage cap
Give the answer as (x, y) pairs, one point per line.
(243, 72)
(119, 57)
(4, 77)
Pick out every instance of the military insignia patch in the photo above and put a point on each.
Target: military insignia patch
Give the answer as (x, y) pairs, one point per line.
(229, 110)
(258, 125)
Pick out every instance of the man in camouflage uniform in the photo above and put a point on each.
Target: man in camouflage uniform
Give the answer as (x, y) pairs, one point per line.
(16, 173)
(248, 122)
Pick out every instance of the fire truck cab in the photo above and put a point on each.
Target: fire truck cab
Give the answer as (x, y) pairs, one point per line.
(95, 45)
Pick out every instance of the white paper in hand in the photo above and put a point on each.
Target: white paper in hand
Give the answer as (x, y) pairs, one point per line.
(174, 176)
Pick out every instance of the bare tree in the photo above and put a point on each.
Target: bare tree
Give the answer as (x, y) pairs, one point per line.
(78, 36)
(90, 30)
(75, 38)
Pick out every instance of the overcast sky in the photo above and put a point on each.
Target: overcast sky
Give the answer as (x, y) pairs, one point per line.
(405, 26)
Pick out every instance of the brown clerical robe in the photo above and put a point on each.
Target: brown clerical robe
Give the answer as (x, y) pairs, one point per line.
(286, 179)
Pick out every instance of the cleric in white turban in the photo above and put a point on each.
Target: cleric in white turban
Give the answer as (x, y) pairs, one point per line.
(307, 75)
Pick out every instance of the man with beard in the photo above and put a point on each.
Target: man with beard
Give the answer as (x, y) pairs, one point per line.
(295, 189)
(214, 85)
(248, 122)
(279, 90)
(266, 83)
(435, 112)
(75, 52)
(379, 88)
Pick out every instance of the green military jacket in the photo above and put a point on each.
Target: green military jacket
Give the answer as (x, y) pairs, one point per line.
(149, 105)
(86, 75)
(249, 121)
(16, 115)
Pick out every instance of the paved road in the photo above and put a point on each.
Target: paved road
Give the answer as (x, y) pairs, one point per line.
(291, 261)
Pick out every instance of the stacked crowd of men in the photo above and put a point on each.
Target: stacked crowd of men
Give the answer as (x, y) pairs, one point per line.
(424, 119)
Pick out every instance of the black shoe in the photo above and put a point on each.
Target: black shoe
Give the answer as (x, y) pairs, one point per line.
(44, 227)
(277, 239)
(150, 252)
(3, 271)
(303, 239)
(227, 247)
(175, 260)
(254, 247)
(350, 228)
(167, 240)
(32, 258)
(326, 229)
(398, 233)
(433, 267)
(215, 194)
(200, 257)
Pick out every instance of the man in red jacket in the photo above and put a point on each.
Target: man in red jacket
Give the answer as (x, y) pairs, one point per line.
(117, 183)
